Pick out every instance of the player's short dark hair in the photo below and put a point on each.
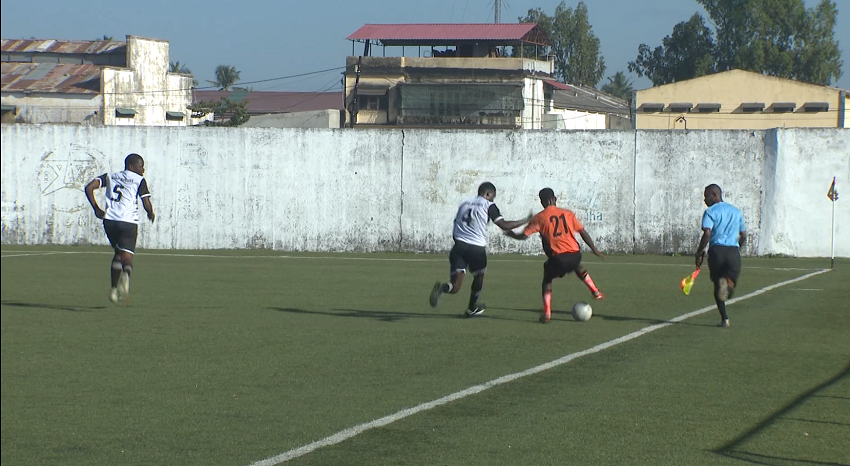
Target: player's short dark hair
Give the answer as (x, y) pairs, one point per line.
(712, 187)
(486, 187)
(133, 159)
(546, 194)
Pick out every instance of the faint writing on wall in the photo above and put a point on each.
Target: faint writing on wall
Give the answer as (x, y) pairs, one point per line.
(63, 174)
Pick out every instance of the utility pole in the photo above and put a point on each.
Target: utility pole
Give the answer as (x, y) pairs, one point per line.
(497, 8)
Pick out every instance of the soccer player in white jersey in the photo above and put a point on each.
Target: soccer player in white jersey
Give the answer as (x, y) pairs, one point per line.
(469, 251)
(121, 217)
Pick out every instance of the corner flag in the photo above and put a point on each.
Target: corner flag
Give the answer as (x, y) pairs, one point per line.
(832, 194)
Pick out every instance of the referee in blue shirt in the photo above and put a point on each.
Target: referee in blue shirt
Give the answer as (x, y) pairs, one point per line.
(723, 231)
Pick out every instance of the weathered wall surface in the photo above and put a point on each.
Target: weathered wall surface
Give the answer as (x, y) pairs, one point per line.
(387, 190)
(329, 190)
(592, 173)
(797, 214)
(674, 167)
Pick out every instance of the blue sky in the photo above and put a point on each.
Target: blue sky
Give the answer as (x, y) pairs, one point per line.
(267, 39)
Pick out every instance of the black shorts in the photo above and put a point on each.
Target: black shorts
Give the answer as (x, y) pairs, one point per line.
(562, 264)
(724, 262)
(122, 235)
(467, 256)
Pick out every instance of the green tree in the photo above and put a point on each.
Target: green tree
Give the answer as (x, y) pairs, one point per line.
(619, 86)
(177, 67)
(574, 46)
(775, 37)
(225, 77)
(228, 112)
(687, 53)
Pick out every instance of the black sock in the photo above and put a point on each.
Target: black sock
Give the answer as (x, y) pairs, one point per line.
(476, 292)
(721, 306)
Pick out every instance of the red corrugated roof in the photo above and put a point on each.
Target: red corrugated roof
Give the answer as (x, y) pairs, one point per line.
(420, 32)
(50, 77)
(557, 85)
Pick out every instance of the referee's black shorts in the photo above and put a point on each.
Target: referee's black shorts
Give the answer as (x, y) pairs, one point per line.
(467, 256)
(122, 235)
(562, 264)
(724, 262)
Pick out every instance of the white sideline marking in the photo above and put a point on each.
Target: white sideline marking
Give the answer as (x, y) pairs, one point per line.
(380, 259)
(346, 434)
(36, 254)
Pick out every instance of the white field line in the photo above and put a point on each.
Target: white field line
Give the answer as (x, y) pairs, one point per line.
(346, 434)
(378, 259)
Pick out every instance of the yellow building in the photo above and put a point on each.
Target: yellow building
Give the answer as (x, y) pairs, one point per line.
(740, 99)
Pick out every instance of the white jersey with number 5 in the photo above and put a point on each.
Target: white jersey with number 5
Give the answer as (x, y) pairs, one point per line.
(123, 189)
(472, 219)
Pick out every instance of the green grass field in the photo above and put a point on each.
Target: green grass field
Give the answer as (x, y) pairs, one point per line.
(235, 357)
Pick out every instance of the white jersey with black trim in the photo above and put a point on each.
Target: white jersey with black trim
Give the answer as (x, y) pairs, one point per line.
(123, 189)
(472, 219)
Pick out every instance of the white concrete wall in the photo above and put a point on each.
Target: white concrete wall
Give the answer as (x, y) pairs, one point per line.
(591, 173)
(673, 169)
(146, 86)
(559, 118)
(797, 214)
(383, 189)
(312, 119)
(56, 108)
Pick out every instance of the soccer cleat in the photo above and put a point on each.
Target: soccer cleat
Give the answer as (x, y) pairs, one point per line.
(113, 295)
(479, 309)
(124, 285)
(724, 323)
(722, 289)
(436, 292)
(597, 295)
(545, 318)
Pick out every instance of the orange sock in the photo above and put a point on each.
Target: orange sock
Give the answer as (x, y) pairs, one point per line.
(547, 302)
(589, 282)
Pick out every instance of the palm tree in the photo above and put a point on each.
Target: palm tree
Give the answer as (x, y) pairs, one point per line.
(619, 86)
(177, 67)
(225, 76)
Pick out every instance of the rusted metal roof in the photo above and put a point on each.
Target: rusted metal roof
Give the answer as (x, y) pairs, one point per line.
(50, 77)
(424, 33)
(260, 102)
(90, 47)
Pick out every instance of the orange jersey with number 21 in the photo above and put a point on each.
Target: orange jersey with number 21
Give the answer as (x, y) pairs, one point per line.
(557, 228)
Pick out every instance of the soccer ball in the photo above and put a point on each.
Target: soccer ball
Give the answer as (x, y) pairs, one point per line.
(581, 312)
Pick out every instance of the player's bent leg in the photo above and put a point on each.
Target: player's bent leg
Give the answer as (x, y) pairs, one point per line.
(475, 308)
(582, 275)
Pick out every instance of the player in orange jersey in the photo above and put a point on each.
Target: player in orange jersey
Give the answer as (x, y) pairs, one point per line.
(557, 228)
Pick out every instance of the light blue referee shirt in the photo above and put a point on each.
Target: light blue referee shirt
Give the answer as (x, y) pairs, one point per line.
(726, 224)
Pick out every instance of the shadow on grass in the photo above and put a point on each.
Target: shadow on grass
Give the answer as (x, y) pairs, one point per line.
(388, 316)
(59, 307)
(733, 448)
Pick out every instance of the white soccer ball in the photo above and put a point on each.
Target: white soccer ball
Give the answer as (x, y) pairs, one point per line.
(582, 312)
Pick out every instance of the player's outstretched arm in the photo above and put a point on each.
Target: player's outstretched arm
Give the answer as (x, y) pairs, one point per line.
(507, 225)
(94, 184)
(589, 242)
(146, 203)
